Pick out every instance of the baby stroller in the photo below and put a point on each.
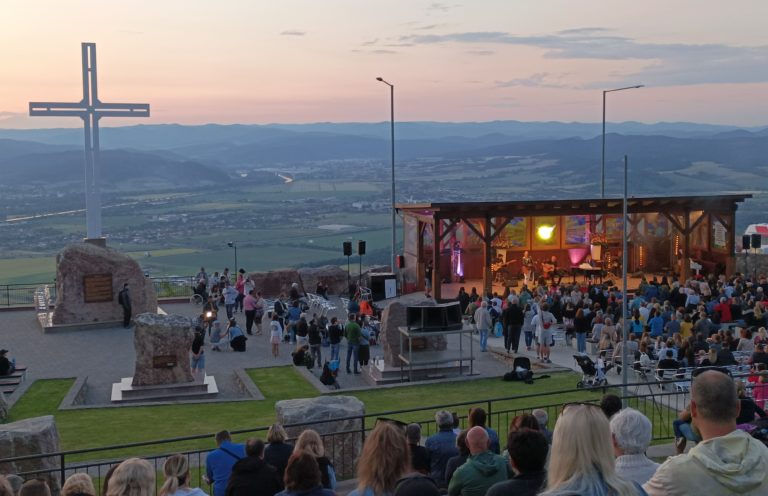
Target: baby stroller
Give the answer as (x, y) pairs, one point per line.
(330, 371)
(592, 375)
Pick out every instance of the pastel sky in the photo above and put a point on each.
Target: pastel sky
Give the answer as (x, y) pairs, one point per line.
(258, 61)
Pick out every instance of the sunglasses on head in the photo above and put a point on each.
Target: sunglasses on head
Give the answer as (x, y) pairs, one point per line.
(701, 370)
(579, 403)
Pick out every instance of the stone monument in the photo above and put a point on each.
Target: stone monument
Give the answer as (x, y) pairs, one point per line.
(341, 449)
(88, 279)
(31, 437)
(162, 370)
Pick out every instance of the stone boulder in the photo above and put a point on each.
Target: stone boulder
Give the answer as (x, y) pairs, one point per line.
(394, 316)
(3, 408)
(332, 275)
(74, 265)
(162, 344)
(342, 449)
(31, 437)
(274, 282)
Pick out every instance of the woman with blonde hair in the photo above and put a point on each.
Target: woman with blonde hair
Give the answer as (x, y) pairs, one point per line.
(311, 442)
(79, 483)
(176, 471)
(133, 477)
(385, 460)
(582, 460)
(277, 451)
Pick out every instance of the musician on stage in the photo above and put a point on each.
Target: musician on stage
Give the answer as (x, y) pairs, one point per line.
(554, 273)
(527, 263)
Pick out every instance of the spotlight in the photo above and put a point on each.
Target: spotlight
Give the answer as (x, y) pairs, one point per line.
(545, 232)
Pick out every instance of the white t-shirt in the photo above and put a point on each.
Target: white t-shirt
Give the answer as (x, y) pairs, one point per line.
(275, 329)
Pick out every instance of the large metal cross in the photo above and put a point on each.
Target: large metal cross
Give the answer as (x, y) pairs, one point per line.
(90, 109)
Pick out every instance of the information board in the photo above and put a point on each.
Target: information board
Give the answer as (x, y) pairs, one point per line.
(97, 288)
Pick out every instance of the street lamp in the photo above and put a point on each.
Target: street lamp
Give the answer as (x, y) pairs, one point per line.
(602, 158)
(233, 244)
(392, 156)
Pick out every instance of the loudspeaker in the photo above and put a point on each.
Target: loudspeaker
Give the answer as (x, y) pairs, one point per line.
(400, 262)
(756, 240)
(347, 248)
(745, 242)
(361, 247)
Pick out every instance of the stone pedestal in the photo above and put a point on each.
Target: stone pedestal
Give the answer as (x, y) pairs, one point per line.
(162, 371)
(342, 449)
(392, 317)
(31, 437)
(88, 280)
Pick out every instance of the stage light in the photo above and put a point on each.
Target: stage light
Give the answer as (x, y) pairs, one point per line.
(545, 232)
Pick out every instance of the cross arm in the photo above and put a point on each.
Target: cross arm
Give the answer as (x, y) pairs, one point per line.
(57, 109)
(121, 109)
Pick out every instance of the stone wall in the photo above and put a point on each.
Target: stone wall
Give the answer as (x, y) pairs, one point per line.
(31, 437)
(341, 449)
(77, 261)
(749, 264)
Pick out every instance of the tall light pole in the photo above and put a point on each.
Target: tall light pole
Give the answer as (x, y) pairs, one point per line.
(624, 259)
(392, 156)
(602, 157)
(233, 244)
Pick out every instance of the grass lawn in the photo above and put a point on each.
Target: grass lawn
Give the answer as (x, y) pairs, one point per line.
(95, 427)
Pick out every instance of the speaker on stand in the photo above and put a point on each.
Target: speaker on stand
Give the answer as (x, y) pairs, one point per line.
(360, 252)
(757, 241)
(347, 245)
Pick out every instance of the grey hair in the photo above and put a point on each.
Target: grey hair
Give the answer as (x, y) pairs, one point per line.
(632, 431)
(444, 419)
(541, 416)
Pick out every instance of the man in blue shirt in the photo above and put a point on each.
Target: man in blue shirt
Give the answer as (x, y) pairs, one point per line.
(656, 325)
(441, 447)
(219, 462)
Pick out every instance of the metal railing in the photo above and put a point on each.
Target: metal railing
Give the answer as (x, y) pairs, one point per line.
(659, 405)
(23, 295)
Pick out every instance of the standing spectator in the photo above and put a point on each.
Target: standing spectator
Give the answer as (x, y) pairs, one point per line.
(249, 308)
(315, 340)
(512, 319)
(543, 323)
(124, 299)
(275, 334)
(364, 348)
(528, 326)
(277, 452)
(581, 327)
(582, 459)
(252, 476)
(482, 470)
(78, 483)
(631, 432)
(177, 479)
(728, 461)
(309, 441)
(219, 462)
(197, 364)
(230, 295)
(133, 477)
(428, 278)
(335, 333)
(527, 451)
(301, 328)
(302, 477)
(441, 446)
(419, 454)
(259, 309)
(478, 418)
(385, 459)
(240, 288)
(483, 324)
(352, 332)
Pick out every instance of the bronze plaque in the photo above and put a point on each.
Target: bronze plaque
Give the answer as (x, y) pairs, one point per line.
(97, 288)
(164, 361)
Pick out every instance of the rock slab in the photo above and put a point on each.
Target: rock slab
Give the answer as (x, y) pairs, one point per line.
(342, 449)
(394, 316)
(162, 344)
(274, 282)
(332, 276)
(31, 437)
(78, 261)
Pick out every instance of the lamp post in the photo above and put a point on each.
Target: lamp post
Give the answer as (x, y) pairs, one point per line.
(392, 156)
(602, 157)
(624, 258)
(233, 244)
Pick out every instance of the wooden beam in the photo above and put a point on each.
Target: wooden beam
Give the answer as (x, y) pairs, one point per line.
(473, 228)
(674, 222)
(686, 266)
(698, 221)
(436, 279)
(487, 277)
(447, 229)
(498, 227)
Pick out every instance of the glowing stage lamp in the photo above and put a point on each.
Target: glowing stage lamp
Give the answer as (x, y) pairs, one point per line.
(545, 232)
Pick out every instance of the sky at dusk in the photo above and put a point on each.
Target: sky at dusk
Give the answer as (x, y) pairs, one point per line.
(290, 61)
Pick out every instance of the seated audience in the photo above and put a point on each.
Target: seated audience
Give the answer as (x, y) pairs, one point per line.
(416, 485)
(543, 418)
(310, 441)
(277, 452)
(478, 418)
(78, 484)
(252, 475)
(527, 455)
(610, 404)
(5, 487)
(457, 461)
(483, 469)
(302, 476)
(177, 479)
(419, 454)
(728, 461)
(631, 432)
(748, 410)
(35, 487)
(219, 462)
(384, 460)
(133, 477)
(441, 446)
(582, 459)
(667, 363)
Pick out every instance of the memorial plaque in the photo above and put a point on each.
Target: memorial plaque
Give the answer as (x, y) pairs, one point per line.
(97, 288)
(164, 361)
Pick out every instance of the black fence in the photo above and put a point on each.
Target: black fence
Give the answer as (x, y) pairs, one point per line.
(23, 295)
(660, 402)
